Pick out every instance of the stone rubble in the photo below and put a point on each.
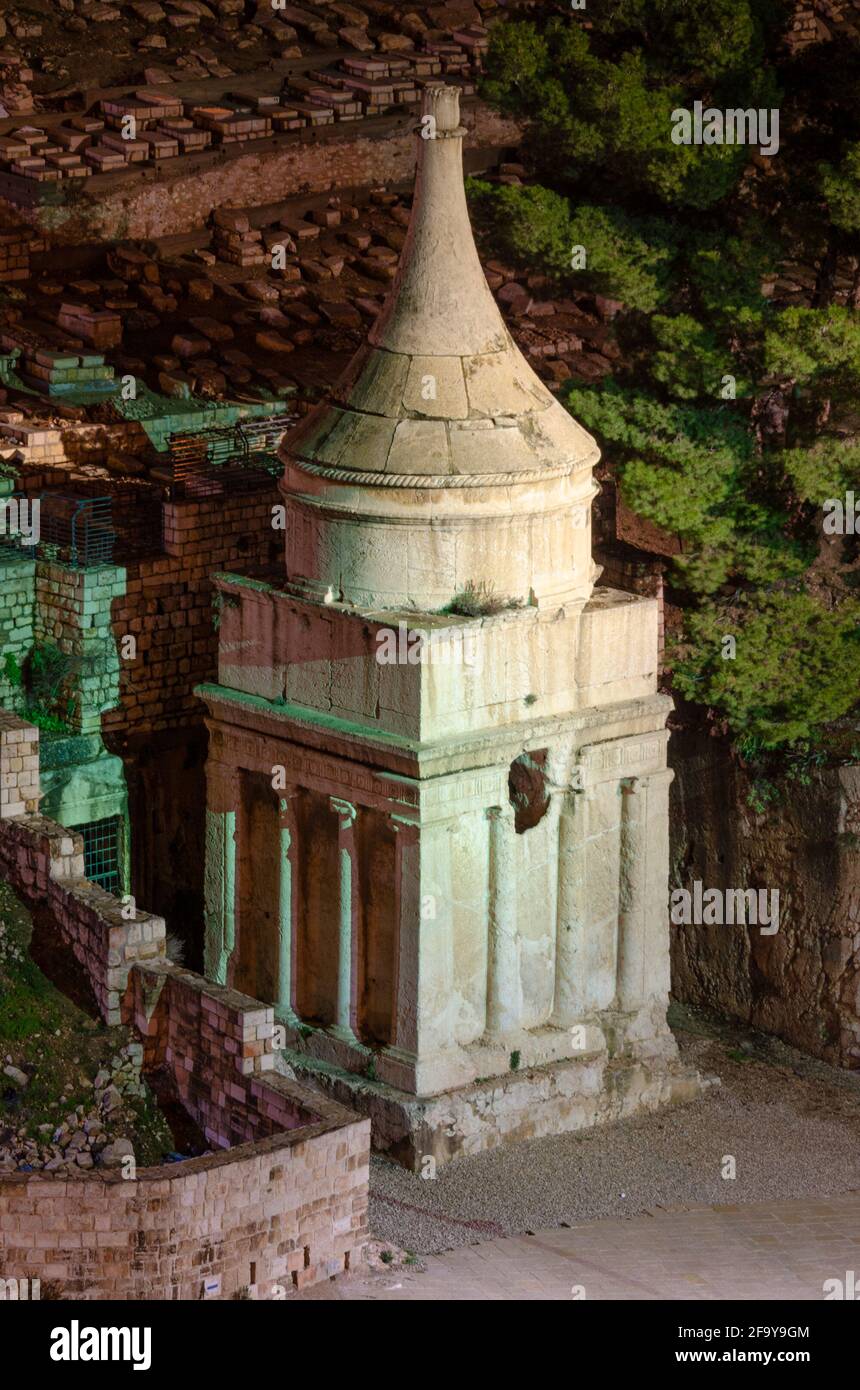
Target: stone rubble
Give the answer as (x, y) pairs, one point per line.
(83, 1139)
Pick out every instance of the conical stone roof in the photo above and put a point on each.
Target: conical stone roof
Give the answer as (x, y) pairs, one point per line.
(440, 396)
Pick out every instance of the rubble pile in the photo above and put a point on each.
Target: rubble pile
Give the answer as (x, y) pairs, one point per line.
(90, 1135)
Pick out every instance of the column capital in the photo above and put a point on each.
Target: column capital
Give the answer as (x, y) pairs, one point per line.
(401, 825)
(222, 784)
(345, 810)
(572, 800)
(581, 785)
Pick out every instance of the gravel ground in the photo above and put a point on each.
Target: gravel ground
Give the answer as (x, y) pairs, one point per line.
(791, 1123)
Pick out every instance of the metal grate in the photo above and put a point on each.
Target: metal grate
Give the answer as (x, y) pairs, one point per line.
(77, 531)
(236, 458)
(102, 842)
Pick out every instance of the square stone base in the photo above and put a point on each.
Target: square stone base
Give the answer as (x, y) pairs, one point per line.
(539, 1101)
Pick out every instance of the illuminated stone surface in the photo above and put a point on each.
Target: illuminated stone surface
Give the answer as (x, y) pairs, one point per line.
(448, 875)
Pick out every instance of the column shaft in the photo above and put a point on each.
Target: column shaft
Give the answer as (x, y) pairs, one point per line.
(286, 909)
(657, 966)
(632, 945)
(348, 916)
(571, 999)
(407, 887)
(504, 984)
(219, 877)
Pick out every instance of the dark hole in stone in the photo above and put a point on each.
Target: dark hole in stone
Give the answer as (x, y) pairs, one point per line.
(188, 1137)
(527, 789)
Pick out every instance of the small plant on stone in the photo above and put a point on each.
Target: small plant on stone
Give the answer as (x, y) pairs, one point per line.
(761, 795)
(12, 671)
(174, 948)
(515, 1061)
(479, 601)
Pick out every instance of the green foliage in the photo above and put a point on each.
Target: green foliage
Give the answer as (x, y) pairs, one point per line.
(841, 188)
(766, 691)
(726, 274)
(479, 601)
(692, 470)
(12, 671)
(689, 362)
(526, 223)
(762, 794)
(49, 670)
(605, 106)
(627, 258)
(738, 480)
(46, 721)
(828, 468)
(47, 680)
(818, 348)
(18, 1018)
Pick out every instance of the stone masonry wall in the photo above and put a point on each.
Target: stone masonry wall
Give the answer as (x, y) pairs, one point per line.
(284, 1209)
(163, 206)
(285, 1213)
(19, 767)
(803, 982)
(17, 592)
(73, 611)
(167, 607)
(164, 602)
(44, 863)
(181, 1016)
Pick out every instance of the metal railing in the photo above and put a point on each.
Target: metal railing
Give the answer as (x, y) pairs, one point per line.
(74, 531)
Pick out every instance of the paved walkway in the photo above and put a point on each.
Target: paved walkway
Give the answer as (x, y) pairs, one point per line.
(764, 1250)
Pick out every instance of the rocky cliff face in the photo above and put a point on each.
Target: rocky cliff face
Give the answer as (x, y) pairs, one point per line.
(802, 982)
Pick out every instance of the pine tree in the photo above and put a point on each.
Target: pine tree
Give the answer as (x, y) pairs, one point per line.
(730, 421)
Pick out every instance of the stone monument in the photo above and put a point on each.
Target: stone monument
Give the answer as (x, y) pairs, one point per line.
(437, 824)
